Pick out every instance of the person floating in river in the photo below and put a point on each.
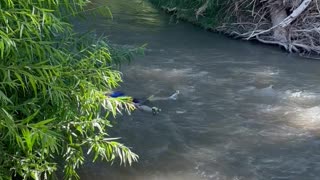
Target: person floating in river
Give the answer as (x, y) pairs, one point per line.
(141, 104)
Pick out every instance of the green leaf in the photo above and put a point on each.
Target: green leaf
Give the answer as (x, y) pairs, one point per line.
(43, 123)
(29, 118)
(3, 97)
(21, 30)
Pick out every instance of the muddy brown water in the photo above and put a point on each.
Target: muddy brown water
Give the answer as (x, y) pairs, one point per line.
(245, 111)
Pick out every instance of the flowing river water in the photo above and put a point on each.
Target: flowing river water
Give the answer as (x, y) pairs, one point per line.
(245, 111)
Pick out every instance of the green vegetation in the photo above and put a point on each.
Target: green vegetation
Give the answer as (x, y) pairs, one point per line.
(207, 14)
(52, 89)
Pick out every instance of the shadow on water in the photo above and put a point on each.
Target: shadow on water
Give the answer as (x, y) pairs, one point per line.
(245, 111)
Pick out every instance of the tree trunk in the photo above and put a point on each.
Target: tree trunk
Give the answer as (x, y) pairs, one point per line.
(278, 14)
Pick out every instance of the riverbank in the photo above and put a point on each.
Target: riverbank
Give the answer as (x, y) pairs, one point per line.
(292, 25)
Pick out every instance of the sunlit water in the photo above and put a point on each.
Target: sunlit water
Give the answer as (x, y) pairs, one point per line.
(245, 111)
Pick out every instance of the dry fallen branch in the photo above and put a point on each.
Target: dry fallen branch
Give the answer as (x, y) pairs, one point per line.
(287, 20)
(202, 9)
(302, 25)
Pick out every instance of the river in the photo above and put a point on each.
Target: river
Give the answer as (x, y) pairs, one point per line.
(245, 111)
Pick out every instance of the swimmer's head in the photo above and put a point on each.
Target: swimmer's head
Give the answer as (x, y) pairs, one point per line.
(135, 100)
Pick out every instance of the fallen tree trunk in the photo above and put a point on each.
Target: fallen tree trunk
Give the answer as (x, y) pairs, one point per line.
(296, 13)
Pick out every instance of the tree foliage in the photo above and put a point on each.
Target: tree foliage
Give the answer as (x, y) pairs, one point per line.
(53, 85)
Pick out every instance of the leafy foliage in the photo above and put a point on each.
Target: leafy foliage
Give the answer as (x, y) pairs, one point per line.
(53, 85)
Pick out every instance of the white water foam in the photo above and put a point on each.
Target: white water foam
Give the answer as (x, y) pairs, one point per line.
(299, 109)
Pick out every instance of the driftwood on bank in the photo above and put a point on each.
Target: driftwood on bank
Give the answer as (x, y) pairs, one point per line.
(291, 24)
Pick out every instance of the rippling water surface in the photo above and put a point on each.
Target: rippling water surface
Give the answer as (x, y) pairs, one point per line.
(245, 111)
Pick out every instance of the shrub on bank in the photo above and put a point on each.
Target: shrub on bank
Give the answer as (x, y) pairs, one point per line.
(52, 88)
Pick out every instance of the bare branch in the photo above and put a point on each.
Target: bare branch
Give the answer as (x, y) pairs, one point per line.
(287, 20)
(202, 9)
